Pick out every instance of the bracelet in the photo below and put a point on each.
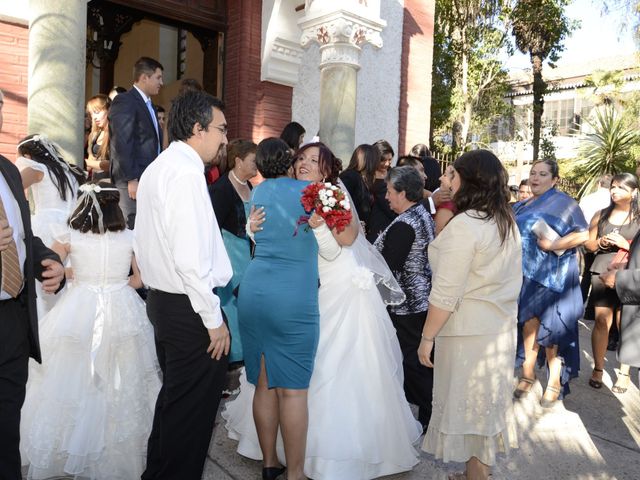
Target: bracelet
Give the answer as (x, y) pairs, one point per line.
(428, 339)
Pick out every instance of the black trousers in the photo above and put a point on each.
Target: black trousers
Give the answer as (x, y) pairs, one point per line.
(418, 379)
(191, 390)
(14, 364)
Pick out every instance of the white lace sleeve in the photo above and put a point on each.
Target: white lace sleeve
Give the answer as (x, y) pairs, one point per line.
(328, 248)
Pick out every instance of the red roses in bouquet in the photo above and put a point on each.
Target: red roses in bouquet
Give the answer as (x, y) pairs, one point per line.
(328, 201)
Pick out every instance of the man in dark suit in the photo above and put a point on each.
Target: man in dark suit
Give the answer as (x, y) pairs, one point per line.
(135, 134)
(23, 259)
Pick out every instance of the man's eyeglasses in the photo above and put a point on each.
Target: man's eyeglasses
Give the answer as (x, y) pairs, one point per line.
(223, 130)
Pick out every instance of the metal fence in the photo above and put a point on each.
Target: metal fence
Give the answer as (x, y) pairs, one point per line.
(567, 186)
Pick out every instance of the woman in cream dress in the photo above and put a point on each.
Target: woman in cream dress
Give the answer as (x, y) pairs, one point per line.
(472, 318)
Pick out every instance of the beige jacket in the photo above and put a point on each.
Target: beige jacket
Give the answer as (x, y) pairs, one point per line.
(475, 277)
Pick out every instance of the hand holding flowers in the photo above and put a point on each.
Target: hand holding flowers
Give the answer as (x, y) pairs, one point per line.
(327, 201)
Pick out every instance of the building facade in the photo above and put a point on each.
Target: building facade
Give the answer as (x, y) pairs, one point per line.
(352, 71)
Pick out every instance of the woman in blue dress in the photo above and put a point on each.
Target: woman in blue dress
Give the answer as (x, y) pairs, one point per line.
(550, 303)
(230, 197)
(278, 313)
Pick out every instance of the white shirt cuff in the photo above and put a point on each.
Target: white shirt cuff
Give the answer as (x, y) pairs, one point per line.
(432, 206)
(213, 320)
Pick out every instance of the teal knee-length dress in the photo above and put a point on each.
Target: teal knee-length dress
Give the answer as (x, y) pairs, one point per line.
(278, 296)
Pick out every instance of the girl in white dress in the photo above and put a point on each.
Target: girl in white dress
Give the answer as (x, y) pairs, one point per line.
(360, 424)
(54, 187)
(89, 406)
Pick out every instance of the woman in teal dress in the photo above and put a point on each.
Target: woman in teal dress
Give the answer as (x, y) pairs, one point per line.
(278, 312)
(230, 197)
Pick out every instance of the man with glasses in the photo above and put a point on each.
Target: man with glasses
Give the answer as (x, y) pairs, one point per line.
(179, 249)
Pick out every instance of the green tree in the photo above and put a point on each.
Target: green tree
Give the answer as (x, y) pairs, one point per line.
(540, 27)
(609, 149)
(468, 78)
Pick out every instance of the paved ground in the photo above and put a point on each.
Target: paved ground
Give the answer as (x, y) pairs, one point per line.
(593, 435)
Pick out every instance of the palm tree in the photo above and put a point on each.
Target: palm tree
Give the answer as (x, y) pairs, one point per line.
(608, 149)
(540, 27)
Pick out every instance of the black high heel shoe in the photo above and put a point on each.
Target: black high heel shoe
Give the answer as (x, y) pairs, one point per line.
(271, 473)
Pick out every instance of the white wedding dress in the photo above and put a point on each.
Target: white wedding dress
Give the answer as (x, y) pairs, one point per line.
(360, 424)
(89, 406)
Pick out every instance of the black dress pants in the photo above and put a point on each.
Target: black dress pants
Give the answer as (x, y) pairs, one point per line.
(14, 364)
(191, 390)
(418, 379)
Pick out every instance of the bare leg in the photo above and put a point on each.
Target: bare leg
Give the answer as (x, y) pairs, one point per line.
(266, 418)
(599, 339)
(293, 422)
(531, 348)
(476, 470)
(555, 368)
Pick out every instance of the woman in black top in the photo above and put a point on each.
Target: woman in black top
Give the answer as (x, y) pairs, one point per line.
(98, 145)
(381, 214)
(358, 179)
(230, 197)
(403, 245)
(610, 231)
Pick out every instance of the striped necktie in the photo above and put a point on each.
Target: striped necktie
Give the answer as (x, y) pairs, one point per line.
(11, 273)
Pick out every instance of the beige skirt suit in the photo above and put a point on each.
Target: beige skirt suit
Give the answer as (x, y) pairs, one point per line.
(478, 280)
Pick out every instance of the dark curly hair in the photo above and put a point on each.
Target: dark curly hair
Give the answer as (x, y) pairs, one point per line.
(273, 157)
(484, 187)
(85, 216)
(329, 166)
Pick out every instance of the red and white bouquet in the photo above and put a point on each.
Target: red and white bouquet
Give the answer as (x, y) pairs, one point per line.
(328, 201)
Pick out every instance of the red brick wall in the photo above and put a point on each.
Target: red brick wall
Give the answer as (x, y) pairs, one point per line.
(254, 109)
(417, 57)
(14, 59)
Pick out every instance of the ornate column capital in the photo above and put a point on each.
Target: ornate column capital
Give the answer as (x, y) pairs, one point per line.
(341, 34)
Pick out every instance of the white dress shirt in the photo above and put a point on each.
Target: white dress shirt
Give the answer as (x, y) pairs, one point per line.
(15, 221)
(594, 202)
(178, 245)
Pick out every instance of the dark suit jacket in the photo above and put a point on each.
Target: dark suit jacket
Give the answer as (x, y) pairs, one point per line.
(228, 206)
(36, 252)
(432, 171)
(133, 141)
(628, 289)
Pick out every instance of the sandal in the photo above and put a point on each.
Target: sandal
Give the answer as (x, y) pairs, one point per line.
(593, 382)
(545, 403)
(616, 388)
(521, 392)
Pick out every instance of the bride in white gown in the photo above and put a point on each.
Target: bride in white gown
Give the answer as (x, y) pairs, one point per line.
(360, 424)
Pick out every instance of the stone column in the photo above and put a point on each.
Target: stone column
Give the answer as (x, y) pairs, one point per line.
(57, 39)
(340, 33)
